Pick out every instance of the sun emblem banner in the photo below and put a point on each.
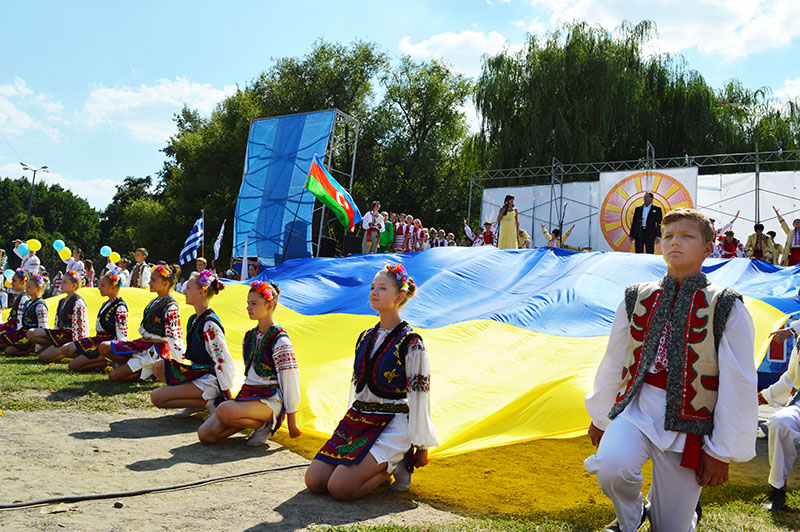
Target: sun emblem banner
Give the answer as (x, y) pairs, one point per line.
(622, 192)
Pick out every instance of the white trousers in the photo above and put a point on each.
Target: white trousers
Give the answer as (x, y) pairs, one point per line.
(618, 465)
(784, 435)
(369, 244)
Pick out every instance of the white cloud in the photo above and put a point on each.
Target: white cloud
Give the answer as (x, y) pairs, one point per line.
(146, 111)
(533, 26)
(462, 50)
(790, 90)
(18, 105)
(730, 29)
(98, 192)
(471, 115)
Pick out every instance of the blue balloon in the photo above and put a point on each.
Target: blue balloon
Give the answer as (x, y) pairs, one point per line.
(8, 274)
(23, 249)
(105, 251)
(58, 245)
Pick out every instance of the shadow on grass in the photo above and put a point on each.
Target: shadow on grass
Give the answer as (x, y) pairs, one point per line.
(226, 451)
(305, 509)
(139, 428)
(101, 387)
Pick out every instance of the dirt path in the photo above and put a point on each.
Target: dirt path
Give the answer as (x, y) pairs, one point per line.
(52, 453)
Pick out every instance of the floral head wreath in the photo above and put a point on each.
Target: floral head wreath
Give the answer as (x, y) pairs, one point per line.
(38, 279)
(264, 288)
(73, 276)
(205, 278)
(162, 271)
(113, 277)
(401, 275)
(22, 274)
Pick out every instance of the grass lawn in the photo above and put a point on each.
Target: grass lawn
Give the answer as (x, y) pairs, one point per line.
(472, 485)
(27, 384)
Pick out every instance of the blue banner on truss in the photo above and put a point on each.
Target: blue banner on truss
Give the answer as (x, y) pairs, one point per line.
(279, 155)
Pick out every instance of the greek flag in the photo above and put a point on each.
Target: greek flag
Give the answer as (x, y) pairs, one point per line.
(194, 241)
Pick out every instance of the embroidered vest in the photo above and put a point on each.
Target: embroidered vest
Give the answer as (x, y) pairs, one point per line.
(12, 314)
(136, 273)
(66, 307)
(196, 350)
(258, 354)
(29, 318)
(699, 316)
(108, 315)
(488, 237)
(154, 320)
(729, 248)
(385, 371)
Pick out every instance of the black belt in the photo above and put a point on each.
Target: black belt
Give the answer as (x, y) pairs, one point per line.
(394, 408)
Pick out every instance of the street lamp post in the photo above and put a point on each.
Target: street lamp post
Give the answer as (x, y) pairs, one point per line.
(30, 200)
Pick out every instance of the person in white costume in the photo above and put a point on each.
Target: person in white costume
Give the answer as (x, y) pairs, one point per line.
(677, 385)
(387, 429)
(206, 371)
(784, 425)
(272, 378)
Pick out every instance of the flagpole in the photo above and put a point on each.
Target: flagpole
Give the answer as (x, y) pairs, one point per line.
(203, 246)
(291, 227)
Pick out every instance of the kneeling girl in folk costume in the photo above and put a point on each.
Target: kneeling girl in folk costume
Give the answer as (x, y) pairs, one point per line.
(272, 380)
(72, 321)
(112, 324)
(388, 428)
(34, 315)
(162, 335)
(206, 371)
(18, 281)
(677, 385)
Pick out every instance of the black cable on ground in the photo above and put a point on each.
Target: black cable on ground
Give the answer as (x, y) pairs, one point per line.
(133, 493)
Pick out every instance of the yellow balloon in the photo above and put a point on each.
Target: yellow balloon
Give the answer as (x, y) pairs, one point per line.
(34, 244)
(65, 254)
(8, 284)
(114, 257)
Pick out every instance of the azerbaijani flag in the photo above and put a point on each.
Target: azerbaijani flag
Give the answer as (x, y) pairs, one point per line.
(332, 194)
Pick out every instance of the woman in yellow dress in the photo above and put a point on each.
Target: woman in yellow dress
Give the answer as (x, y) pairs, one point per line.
(509, 225)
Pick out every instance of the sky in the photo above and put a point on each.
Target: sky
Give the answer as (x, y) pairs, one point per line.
(90, 88)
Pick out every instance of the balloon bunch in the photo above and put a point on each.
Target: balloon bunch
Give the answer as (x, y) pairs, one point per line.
(61, 248)
(112, 256)
(31, 245)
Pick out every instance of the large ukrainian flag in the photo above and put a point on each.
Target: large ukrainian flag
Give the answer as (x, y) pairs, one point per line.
(514, 337)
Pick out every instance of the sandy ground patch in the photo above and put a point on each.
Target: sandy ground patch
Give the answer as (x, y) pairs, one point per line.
(52, 453)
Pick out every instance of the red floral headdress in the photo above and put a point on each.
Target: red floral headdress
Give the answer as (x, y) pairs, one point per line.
(264, 288)
(74, 276)
(162, 271)
(113, 277)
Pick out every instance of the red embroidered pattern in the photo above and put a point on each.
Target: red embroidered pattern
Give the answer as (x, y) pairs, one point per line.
(419, 383)
(695, 333)
(662, 361)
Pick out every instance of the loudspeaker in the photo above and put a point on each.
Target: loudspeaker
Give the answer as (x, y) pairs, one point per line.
(352, 244)
(327, 247)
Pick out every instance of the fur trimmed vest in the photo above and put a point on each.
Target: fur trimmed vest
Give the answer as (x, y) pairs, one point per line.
(699, 315)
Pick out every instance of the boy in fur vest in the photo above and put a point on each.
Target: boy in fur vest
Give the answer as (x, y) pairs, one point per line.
(677, 385)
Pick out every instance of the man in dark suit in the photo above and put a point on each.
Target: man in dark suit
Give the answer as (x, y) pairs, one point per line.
(646, 225)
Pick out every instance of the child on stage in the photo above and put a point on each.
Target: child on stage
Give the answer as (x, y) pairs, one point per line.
(162, 335)
(387, 428)
(272, 380)
(677, 385)
(72, 320)
(207, 369)
(112, 324)
(18, 281)
(34, 315)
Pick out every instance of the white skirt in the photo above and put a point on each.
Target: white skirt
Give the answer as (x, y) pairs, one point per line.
(208, 385)
(393, 443)
(144, 361)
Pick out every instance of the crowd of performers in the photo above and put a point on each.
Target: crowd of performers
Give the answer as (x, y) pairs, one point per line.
(676, 386)
(385, 432)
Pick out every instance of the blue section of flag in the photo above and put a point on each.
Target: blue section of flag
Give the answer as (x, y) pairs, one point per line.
(193, 242)
(557, 292)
